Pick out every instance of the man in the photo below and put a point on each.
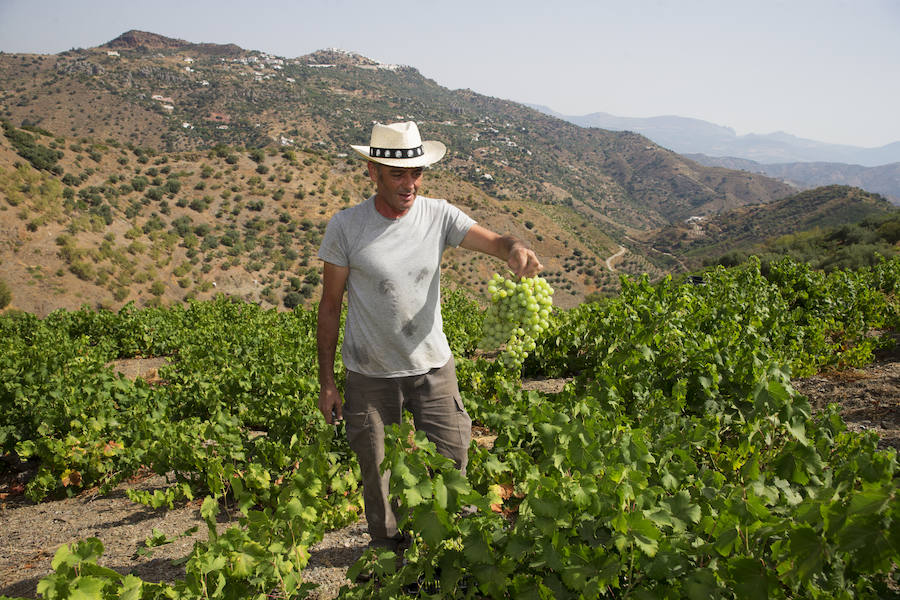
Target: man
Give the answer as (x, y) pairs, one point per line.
(386, 252)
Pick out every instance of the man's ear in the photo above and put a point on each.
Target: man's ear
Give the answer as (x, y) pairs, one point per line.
(373, 171)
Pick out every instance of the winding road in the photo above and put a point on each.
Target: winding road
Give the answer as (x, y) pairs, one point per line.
(615, 258)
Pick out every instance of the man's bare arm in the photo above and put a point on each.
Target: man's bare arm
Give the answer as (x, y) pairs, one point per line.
(518, 256)
(334, 280)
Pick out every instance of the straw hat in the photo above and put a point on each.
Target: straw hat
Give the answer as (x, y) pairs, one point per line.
(400, 145)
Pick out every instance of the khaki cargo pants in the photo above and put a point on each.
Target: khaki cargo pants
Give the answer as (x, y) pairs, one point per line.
(372, 403)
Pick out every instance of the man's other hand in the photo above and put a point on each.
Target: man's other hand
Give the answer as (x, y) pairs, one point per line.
(330, 404)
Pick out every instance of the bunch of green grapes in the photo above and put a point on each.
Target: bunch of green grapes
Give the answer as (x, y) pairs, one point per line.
(518, 312)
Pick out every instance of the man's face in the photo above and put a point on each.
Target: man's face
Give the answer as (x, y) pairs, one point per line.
(396, 188)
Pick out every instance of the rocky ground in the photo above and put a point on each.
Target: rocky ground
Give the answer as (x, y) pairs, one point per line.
(870, 400)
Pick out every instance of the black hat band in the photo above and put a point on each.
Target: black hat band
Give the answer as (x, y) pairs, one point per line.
(396, 153)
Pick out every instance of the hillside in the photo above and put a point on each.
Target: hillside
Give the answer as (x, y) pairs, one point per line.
(177, 96)
(106, 224)
(746, 230)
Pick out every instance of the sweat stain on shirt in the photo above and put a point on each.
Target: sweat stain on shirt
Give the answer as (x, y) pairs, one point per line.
(409, 328)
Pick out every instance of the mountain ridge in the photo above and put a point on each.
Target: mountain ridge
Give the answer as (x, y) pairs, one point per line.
(687, 135)
(884, 179)
(135, 39)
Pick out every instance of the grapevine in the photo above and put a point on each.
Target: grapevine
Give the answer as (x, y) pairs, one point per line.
(677, 462)
(519, 312)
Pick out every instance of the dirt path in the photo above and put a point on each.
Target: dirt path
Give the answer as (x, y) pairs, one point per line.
(870, 400)
(33, 532)
(612, 260)
(684, 267)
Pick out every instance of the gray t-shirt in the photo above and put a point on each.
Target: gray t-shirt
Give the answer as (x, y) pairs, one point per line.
(393, 326)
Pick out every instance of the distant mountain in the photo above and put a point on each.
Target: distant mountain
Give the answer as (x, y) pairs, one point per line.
(884, 180)
(694, 136)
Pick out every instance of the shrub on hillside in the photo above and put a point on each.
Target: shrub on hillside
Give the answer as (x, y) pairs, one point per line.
(72, 180)
(292, 300)
(83, 270)
(257, 155)
(139, 183)
(5, 295)
(890, 231)
(26, 146)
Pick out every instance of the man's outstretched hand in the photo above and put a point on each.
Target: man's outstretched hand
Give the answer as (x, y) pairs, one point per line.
(523, 262)
(520, 259)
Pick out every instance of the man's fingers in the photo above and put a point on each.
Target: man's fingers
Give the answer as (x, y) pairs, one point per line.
(326, 409)
(330, 407)
(525, 263)
(530, 267)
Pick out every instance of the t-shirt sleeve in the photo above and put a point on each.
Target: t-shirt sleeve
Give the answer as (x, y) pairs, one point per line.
(334, 249)
(458, 225)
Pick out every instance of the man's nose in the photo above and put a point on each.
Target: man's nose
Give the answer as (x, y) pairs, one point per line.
(407, 183)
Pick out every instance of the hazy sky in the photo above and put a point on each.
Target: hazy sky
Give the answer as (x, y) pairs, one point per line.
(827, 70)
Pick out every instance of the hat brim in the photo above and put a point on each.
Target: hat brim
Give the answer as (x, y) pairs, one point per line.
(432, 152)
